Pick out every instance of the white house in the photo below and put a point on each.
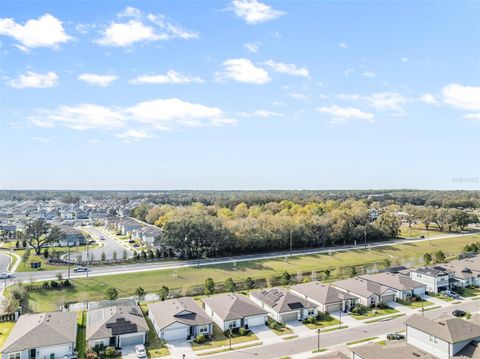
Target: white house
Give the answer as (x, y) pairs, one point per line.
(368, 293)
(283, 305)
(231, 310)
(403, 287)
(179, 318)
(42, 336)
(436, 279)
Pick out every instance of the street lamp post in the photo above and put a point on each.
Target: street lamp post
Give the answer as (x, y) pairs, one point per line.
(230, 337)
(318, 339)
(68, 261)
(87, 260)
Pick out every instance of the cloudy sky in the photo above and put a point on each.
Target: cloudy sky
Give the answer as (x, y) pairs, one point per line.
(240, 95)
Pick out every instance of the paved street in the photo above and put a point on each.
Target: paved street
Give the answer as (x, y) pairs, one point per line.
(144, 267)
(110, 245)
(4, 262)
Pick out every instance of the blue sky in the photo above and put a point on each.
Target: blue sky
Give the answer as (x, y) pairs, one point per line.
(240, 95)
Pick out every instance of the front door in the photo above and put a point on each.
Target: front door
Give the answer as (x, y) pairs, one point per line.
(112, 342)
(33, 353)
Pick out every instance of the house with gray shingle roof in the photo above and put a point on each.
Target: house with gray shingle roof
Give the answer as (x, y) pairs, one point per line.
(42, 336)
(231, 310)
(179, 318)
(283, 305)
(118, 326)
(368, 293)
(404, 287)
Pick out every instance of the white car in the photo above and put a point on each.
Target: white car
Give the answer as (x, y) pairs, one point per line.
(6, 275)
(140, 351)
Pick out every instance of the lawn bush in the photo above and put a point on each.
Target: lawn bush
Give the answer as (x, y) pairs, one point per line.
(110, 352)
(200, 339)
(359, 309)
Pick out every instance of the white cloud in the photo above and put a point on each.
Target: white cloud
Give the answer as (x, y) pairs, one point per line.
(472, 116)
(261, 113)
(289, 69)
(243, 70)
(348, 72)
(428, 98)
(255, 12)
(252, 46)
(342, 114)
(464, 98)
(142, 28)
(97, 79)
(155, 115)
(171, 77)
(343, 45)
(41, 139)
(46, 31)
(369, 74)
(34, 80)
(298, 96)
(404, 59)
(387, 101)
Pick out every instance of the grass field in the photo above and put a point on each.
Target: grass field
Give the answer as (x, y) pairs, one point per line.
(5, 329)
(419, 230)
(93, 288)
(323, 321)
(372, 313)
(417, 304)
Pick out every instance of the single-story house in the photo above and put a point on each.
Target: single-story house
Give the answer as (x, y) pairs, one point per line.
(233, 310)
(71, 236)
(436, 279)
(129, 225)
(403, 287)
(368, 293)
(118, 326)
(179, 319)
(283, 305)
(42, 336)
(329, 299)
(148, 234)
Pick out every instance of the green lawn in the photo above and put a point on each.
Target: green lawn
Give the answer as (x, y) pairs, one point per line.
(470, 292)
(221, 340)
(155, 347)
(417, 304)
(5, 329)
(280, 330)
(81, 334)
(442, 297)
(324, 320)
(419, 230)
(185, 278)
(372, 313)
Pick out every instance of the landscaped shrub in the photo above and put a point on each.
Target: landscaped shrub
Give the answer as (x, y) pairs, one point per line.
(359, 309)
(242, 331)
(54, 284)
(45, 285)
(67, 283)
(200, 339)
(110, 352)
(310, 320)
(382, 305)
(91, 355)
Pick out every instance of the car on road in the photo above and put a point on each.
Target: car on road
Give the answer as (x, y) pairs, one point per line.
(6, 275)
(102, 238)
(80, 269)
(140, 351)
(421, 237)
(131, 241)
(395, 336)
(449, 293)
(459, 313)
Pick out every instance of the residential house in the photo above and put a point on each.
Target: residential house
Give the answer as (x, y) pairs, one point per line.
(436, 279)
(128, 226)
(326, 297)
(368, 293)
(179, 319)
(283, 305)
(465, 271)
(403, 287)
(42, 336)
(231, 310)
(117, 326)
(71, 236)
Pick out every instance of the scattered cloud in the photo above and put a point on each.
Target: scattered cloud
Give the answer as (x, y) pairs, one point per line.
(34, 80)
(97, 79)
(342, 114)
(252, 46)
(428, 98)
(243, 70)
(348, 72)
(387, 101)
(369, 74)
(141, 28)
(261, 113)
(41, 139)
(171, 77)
(297, 95)
(254, 12)
(343, 45)
(404, 59)
(289, 69)
(472, 116)
(462, 97)
(46, 31)
(155, 115)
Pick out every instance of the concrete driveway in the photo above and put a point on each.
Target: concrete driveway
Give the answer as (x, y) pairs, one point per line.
(299, 329)
(129, 352)
(178, 348)
(265, 334)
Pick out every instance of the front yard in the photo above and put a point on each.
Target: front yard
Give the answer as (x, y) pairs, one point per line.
(414, 304)
(373, 313)
(5, 329)
(277, 328)
(322, 321)
(81, 334)
(155, 347)
(221, 340)
(468, 292)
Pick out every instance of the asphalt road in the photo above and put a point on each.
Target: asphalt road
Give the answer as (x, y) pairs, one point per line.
(4, 262)
(150, 266)
(109, 246)
(302, 345)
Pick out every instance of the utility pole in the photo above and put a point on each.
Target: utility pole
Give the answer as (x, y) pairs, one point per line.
(230, 337)
(318, 340)
(87, 259)
(340, 321)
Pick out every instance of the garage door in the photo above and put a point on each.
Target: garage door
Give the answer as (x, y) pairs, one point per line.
(131, 340)
(253, 321)
(388, 298)
(175, 334)
(289, 316)
(332, 308)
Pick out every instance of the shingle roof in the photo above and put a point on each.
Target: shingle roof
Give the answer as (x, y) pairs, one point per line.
(116, 320)
(41, 330)
(431, 271)
(281, 300)
(361, 287)
(452, 330)
(336, 355)
(398, 351)
(181, 310)
(322, 293)
(393, 280)
(233, 306)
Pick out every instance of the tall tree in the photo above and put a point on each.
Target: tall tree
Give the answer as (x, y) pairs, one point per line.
(39, 234)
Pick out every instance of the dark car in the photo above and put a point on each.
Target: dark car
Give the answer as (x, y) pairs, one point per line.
(395, 336)
(421, 237)
(459, 313)
(131, 241)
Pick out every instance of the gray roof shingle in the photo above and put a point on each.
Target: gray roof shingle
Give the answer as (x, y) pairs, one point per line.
(232, 306)
(180, 310)
(281, 300)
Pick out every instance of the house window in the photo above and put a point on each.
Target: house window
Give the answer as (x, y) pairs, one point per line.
(311, 311)
(433, 339)
(14, 356)
(232, 325)
(203, 329)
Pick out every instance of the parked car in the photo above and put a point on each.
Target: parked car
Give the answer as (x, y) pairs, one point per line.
(102, 238)
(449, 293)
(140, 351)
(459, 313)
(80, 269)
(6, 275)
(421, 237)
(131, 241)
(395, 336)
